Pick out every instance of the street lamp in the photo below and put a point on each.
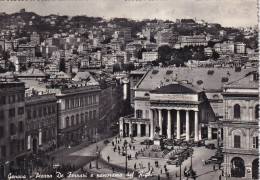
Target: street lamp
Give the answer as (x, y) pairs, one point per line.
(125, 145)
(96, 153)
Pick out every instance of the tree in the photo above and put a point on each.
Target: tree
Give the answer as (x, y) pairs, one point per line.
(215, 55)
(211, 44)
(164, 53)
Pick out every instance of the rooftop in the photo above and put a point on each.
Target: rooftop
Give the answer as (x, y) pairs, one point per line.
(176, 89)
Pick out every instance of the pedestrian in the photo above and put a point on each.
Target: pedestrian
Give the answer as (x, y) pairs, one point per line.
(113, 143)
(113, 169)
(219, 165)
(158, 177)
(222, 172)
(214, 167)
(135, 166)
(161, 171)
(176, 174)
(108, 158)
(133, 147)
(114, 149)
(82, 169)
(203, 162)
(130, 156)
(219, 177)
(140, 165)
(148, 164)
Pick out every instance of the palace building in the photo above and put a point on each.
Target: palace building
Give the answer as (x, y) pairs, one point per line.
(240, 124)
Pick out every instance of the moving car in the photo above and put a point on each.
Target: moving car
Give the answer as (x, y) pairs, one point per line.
(147, 142)
(212, 161)
(210, 146)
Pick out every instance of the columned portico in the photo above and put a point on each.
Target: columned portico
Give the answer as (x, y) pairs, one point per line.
(187, 126)
(178, 125)
(169, 127)
(196, 125)
(160, 120)
(139, 129)
(151, 124)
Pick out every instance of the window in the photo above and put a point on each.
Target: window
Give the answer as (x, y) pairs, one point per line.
(53, 109)
(90, 99)
(237, 111)
(22, 144)
(29, 114)
(20, 126)
(11, 99)
(40, 112)
(94, 114)
(90, 115)
(12, 129)
(139, 113)
(3, 100)
(81, 102)
(21, 110)
(77, 102)
(77, 119)
(34, 113)
(86, 100)
(72, 103)
(255, 142)
(2, 132)
(256, 111)
(72, 120)
(94, 99)
(236, 141)
(81, 117)
(86, 116)
(147, 114)
(49, 110)
(12, 112)
(2, 115)
(67, 104)
(3, 151)
(67, 122)
(44, 111)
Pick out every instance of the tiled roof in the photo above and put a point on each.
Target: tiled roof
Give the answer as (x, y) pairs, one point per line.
(196, 76)
(32, 72)
(245, 82)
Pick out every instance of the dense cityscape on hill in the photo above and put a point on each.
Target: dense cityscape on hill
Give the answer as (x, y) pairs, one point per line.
(83, 94)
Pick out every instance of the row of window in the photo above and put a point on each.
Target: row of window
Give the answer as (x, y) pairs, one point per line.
(37, 124)
(12, 129)
(237, 111)
(42, 111)
(139, 114)
(11, 99)
(15, 146)
(237, 142)
(74, 120)
(11, 112)
(80, 102)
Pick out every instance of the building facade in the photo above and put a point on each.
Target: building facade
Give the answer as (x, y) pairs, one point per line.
(41, 123)
(240, 124)
(12, 119)
(78, 112)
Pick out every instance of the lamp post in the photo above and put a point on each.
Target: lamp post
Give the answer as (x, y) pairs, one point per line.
(125, 145)
(96, 153)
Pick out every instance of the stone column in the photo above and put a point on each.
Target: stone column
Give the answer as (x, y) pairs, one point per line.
(169, 129)
(147, 129)
(139, 129)
(178, 125)
(187, 126)
(160, 120)
(151, 125)
(209, 133)
(130, 129)
(200, 136)
(121, 127)
(196, 125)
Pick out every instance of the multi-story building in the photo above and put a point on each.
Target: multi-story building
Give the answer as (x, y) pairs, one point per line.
(149, 56)
(41, 122)
(240, 48)
(78, 112)
(35, 38)
(12, 119)
(241, 115)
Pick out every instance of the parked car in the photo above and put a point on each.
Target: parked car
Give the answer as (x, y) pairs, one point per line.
(147, 142)
(210, 146)
(212, 161)
(173, 162)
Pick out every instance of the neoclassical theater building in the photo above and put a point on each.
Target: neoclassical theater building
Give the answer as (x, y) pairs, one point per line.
(240, 124)
(185, 103)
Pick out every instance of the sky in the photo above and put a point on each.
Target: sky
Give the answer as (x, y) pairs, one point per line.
(228, 13)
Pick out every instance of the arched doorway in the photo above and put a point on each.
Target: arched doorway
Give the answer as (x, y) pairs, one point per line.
(255, 167)
(34, 146)
(237, 167)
